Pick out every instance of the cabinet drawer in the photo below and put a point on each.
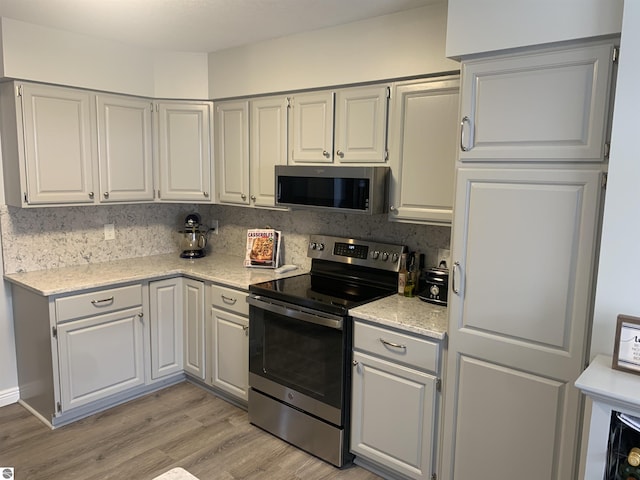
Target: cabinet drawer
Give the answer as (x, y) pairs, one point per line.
(396, 346)
(230, 299)
(98, 302)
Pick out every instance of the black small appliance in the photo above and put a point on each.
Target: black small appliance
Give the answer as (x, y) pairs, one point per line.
(436, 285)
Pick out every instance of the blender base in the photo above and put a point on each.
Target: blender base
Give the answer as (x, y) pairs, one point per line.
(192, 254)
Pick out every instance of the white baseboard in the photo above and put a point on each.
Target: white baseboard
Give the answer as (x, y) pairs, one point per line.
(9, 396)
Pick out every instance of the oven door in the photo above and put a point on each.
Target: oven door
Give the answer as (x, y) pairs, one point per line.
(299, 356)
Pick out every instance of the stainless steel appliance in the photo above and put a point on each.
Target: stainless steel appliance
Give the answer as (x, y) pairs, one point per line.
(436, 285)
(342, 189)
(300, 341)
(193, 239)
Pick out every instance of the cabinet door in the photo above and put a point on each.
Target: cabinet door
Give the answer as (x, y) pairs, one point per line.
(361, 125)
(312, 128)
(423, 150)
(542, 106)
(57, 144)
(184, 151)
(193, 317)
(232, 152)
(393, 416)
(524, 247)
(100, 356)
(268, 147)
(125, 149)
(229, 360)
(165, 307)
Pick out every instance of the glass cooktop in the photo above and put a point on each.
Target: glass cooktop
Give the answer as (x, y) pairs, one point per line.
(324, 293)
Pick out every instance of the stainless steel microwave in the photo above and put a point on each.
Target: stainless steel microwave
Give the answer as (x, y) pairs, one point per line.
(331, 188)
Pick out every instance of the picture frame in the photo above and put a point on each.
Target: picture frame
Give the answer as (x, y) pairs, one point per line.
(626, 349)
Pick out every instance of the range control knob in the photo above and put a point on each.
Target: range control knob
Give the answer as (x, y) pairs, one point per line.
(375, 254)
(385, 256)
(395, 257)
(434, 290)
(313, 245)
(320, 246)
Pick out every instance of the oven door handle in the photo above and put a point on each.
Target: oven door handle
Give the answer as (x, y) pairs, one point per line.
(287, 310)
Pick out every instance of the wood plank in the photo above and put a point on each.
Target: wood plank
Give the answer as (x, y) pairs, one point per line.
(179, 426)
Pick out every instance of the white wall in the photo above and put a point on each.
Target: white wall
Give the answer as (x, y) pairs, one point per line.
(33, 52)
(618, 288)
(483, 26)
(404, 44)
(8, 370)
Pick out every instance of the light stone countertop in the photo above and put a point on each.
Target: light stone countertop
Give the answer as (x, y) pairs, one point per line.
(218, 268)
(408, 314)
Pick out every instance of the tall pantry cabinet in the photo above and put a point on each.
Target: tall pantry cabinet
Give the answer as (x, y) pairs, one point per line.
(529, 187)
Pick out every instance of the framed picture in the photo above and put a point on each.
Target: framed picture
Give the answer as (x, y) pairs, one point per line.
(626, 350)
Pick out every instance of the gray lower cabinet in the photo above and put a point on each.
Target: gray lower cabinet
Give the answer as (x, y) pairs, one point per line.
(100, 344)
(100, 356)
(82, 352)
(193, 318)
(228, 342)
(165, 308)
(395, 397)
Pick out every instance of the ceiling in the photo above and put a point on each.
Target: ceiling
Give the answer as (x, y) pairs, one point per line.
(197, 25)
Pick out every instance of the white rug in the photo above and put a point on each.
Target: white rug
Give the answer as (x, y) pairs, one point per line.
(176, 474)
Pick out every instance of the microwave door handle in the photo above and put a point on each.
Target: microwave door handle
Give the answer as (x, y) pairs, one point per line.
(289, 311)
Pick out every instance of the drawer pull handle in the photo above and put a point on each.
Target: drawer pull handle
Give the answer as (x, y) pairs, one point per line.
(229, 300)
(97, 303)
(391, 344)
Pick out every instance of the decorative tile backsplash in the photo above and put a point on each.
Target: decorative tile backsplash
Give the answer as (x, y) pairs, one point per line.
(296, 226)
(40, 238)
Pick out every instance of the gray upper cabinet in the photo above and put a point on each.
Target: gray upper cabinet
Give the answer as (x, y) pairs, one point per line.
(184, 151)
(355, 131)
(65, 146)
(268, 147)
(47, 145)
(251, 138)
(232, 152)
(422, 140)
(125, 148)
(542, 106)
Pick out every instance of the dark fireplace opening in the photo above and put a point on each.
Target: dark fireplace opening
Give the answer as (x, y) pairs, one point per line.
(623, 452)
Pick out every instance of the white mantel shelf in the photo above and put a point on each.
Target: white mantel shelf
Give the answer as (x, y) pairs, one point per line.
(610, 390)
(602, 383)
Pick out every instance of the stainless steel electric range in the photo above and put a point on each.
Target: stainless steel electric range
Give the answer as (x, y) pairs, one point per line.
(300, 341)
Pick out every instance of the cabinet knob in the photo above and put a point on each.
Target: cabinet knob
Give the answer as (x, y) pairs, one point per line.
(106, 194)
(243, 196)
(253, 197)
(392, 208)
(206, 194)
(326, 154)
(90, 194)
(355, 363)
(340, 153)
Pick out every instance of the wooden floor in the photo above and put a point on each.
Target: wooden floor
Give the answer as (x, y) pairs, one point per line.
(180, 426)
